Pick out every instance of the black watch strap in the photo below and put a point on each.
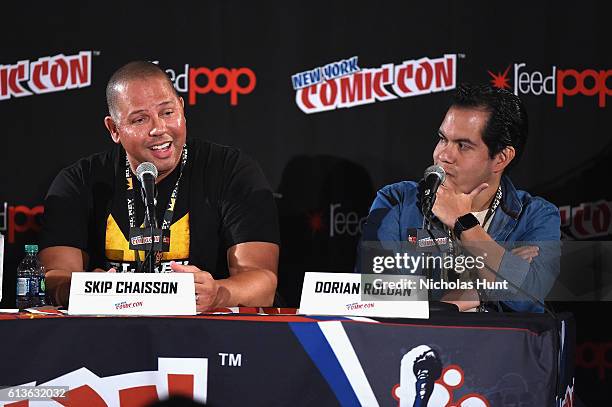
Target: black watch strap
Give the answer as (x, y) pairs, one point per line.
(464, 223)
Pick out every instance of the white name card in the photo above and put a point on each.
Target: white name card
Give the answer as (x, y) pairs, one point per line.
(132, 294)
(370, 295)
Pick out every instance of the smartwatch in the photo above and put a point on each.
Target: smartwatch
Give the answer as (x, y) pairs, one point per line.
(464, 223)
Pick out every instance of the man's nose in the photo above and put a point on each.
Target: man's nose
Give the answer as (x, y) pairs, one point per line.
(447, 154)
(159, 127)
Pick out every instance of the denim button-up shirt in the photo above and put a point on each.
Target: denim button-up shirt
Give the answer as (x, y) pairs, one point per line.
(520, 218)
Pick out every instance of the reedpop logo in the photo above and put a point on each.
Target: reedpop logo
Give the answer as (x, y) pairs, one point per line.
(203, 80)
(594, 356)
(560, 82)
(340, 222)
(19, 219)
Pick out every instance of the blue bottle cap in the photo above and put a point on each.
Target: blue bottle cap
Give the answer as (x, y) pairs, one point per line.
(31, 248)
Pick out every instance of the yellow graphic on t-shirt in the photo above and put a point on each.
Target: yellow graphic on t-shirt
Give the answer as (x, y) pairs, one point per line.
(130, 183)
(118, 249)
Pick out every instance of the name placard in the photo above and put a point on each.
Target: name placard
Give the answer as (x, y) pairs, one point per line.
(132, 294)
(372, 295)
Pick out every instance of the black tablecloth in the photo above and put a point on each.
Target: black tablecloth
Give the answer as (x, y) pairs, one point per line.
(274, 360)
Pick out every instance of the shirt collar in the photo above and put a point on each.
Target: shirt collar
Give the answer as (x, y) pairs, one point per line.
(510, 204)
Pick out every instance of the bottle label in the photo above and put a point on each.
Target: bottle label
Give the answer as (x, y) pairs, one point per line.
(23, 286)
(41, 287)
(34, 285)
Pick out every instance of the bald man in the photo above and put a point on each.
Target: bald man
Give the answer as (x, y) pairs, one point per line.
(214, 202)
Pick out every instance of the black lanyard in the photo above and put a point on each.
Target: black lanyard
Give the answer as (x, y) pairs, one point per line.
(169, 210)
(493, 207)
(482, 297)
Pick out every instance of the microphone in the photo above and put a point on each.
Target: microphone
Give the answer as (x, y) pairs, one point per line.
(427, 369)
(147, 174)
(419, 370)
(434, 176)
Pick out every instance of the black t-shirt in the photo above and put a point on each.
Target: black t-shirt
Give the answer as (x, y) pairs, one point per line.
(223, 199)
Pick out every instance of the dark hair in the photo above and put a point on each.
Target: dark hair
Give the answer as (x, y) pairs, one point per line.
(128, 72)
(507, 123)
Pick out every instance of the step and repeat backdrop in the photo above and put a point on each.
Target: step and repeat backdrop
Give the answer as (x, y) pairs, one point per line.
(334, 99)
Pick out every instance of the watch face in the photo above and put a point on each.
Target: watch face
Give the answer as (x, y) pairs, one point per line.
(465, 222)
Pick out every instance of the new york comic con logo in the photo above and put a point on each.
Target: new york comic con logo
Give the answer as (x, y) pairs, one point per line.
(45, 75)
(344, 84)
(561, 83)
(587, 221)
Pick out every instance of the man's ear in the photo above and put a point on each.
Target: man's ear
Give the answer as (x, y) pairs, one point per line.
(183, 107)
(112, 128)
(504, 158)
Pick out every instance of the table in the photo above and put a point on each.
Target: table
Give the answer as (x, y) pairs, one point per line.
(242, 359)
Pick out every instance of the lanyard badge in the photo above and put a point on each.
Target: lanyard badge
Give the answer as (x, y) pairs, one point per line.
(154, 240)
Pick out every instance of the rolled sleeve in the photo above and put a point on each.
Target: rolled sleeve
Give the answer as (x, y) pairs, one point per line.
(538, 277)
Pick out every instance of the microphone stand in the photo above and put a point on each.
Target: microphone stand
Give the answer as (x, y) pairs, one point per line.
(426, 209)
(151, 222)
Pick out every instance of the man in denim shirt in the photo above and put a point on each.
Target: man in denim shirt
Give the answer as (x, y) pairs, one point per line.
(482, 135)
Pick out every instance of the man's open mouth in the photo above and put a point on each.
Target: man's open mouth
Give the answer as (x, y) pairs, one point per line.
(161, 147)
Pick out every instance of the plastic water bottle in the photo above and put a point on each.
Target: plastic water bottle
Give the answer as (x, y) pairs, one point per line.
(30, 280)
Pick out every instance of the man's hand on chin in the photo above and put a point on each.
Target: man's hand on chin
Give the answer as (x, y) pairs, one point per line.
(450, 204)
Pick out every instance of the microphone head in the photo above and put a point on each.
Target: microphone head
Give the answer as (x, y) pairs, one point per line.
(437, 171)
(146, 168)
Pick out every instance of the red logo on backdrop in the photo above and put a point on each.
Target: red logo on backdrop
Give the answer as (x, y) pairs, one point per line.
(19, 219)
(315, 221)
(562, 83)
(341, 221)
(221, 81)
(500, 80)
(47, 74)
(229, 79)
(594, 356)
(344, 84)
(587, 220)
